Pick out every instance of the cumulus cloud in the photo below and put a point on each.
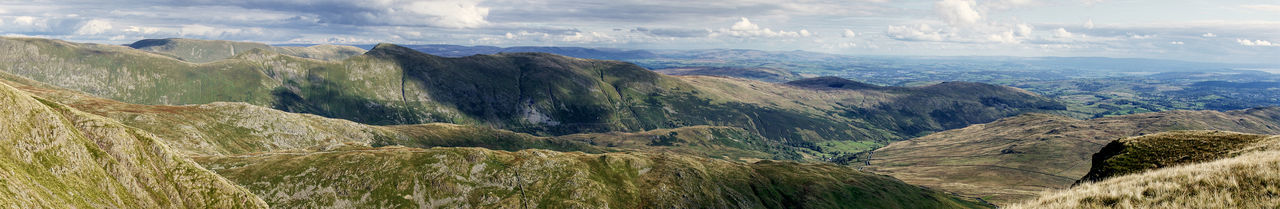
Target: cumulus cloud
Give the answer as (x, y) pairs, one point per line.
(745, 28)
(1088, 24)
(1208, 35)
(964, 22)
(1024, 29)
(1176, 43)
(1062, 33)
(848, 34)
(957, 12)
(93, 27)
(1247, 42)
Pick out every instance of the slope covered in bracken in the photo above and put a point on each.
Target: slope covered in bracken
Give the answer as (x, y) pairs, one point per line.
(1015, 158)
(394, 177)
(1177, 170)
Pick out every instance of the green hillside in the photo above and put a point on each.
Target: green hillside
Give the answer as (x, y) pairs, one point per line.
(400, 177)
(53, 156)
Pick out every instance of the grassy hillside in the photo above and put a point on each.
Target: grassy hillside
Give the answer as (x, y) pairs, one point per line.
(539, 94)
(1244, 175)
(201, 51)
(53, 156)
(394, 177)
(1013, 159)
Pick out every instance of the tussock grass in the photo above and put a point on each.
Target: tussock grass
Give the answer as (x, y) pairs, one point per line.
(1250, 179)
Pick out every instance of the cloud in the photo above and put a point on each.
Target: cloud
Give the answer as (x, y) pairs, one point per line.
(745, 29)
(673, 32)
(1024, 29)
(1062, 33)
(922, 32)
(957, 12)
(94, 27)
(1263, 7)
(1088, 24)
(848, 34)
(1176, 43)
(1208, 35)
(1247, 42)
(452, 14)
(1137, 36)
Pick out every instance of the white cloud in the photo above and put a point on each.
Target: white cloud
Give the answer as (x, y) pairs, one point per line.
(1176, 43)
(1088, 24)
(93, 27)
(922, 32)
(451, 14)
(1248, 42)
(1138, 36)
(1208, 35)
(1024, 30)
(1263, 7)
(849, 34)
(1062, 33)
(957, 12)
(744, 28)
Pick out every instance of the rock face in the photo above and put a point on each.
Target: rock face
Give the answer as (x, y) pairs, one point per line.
(1186, 169)
(392, 177)
(52, 156)
(1023, 155)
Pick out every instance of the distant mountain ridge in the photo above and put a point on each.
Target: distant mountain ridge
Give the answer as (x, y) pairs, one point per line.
(446, 50)
(201, 51)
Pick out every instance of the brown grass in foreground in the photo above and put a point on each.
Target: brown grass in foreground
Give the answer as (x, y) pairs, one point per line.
(1250, 180)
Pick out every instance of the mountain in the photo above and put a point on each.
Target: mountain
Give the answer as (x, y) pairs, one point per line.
(535, 93)
(54, 156)
(201, 51)
(291, 160)
(1018, 157)
(1168, 170)
(446, 50)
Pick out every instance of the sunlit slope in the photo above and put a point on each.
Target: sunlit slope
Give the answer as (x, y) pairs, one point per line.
(52, 156)
(393, 177)
(1015, 158)
(1179, 170)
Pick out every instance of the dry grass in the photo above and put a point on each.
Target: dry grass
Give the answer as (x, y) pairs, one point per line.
(1251, 180)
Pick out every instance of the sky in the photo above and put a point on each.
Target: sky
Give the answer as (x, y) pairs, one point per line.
(1237, 31)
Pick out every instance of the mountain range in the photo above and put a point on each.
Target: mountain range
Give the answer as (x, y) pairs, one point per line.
(182, 123)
